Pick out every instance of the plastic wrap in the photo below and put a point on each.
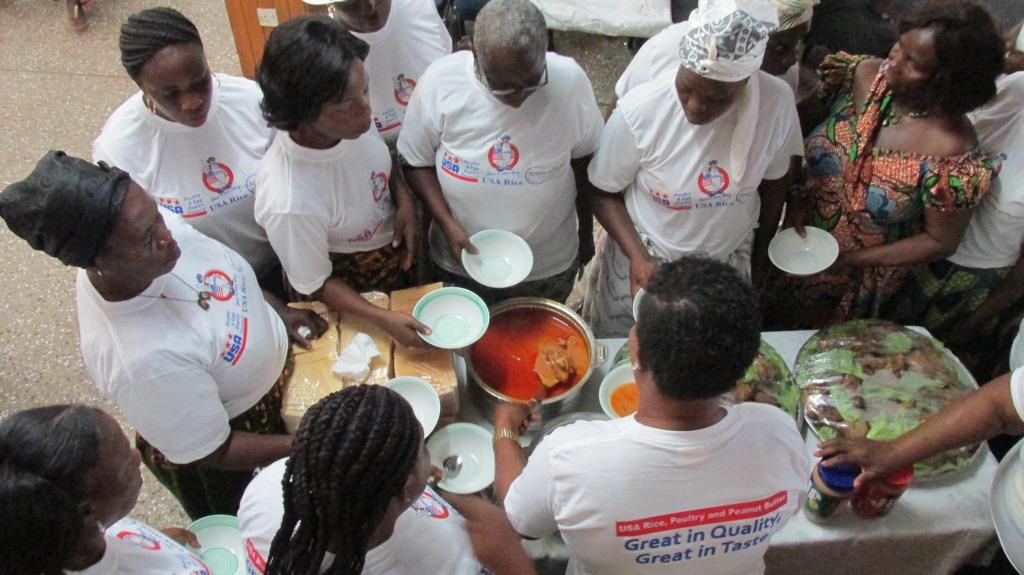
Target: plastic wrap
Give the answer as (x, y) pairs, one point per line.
(350, 326)
(641, 18)
(313, 377)
(876, 379)
(768, 380)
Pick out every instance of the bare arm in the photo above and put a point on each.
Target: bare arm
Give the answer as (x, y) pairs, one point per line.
(403, 327)
(427, 187)
(509, 460)
(610, 210)
(244, 451)
(584, 212)
(977, 417)
(407, 215)
(773, 197)
(940, 238)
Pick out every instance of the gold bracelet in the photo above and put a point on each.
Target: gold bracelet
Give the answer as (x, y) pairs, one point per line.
(506, 433)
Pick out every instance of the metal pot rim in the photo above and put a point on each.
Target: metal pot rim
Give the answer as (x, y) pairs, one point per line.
(559, 309)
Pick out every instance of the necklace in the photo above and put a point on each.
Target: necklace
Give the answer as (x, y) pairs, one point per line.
(202, 297)
(891, 116)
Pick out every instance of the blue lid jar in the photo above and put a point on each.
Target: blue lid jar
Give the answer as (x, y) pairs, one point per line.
(839, 477)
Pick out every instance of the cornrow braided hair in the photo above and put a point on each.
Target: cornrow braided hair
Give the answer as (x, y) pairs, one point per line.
(351, 456)
(147, 32)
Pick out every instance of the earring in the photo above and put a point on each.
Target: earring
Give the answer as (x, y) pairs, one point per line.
(149, 103)
(634, 366)
(100, 525)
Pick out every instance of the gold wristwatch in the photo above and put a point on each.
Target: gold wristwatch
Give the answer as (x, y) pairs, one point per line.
(506, 433)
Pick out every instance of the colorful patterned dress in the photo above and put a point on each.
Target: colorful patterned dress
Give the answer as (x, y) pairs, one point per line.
(865, 197)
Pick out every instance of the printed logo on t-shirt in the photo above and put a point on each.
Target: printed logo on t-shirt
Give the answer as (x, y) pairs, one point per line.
(378, 185)
(504, 155)
(255, 564)
(702, 533)
(170, 204)
(403, 89)
(218, 283)
(458, 168)
(217, 176)
(713, 179)
(237, 337)
(381, 197)
(139, 539)
(429, 504)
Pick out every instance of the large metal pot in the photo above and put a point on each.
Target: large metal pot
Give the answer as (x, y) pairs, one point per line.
(487, 398)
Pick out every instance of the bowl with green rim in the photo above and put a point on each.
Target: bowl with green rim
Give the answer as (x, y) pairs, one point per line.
(222, 548)
(456, 317)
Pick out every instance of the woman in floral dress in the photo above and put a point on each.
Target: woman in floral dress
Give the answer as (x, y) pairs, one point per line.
(894, 170)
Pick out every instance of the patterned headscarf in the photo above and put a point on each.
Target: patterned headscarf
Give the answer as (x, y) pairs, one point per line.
(65, 207)
(793, 13)
(727, 38)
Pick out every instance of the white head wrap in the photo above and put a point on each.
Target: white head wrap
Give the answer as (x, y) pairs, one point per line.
(793, 13)
(727, 38)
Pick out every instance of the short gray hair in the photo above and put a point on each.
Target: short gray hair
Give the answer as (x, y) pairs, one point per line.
(512, 25)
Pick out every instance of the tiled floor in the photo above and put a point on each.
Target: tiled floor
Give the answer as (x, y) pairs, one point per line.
(56, 90)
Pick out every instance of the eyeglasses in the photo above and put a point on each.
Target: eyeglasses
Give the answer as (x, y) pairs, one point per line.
(504, 93)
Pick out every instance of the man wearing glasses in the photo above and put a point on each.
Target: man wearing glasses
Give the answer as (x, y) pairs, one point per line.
(491, 140)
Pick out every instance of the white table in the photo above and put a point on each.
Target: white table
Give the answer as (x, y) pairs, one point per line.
(640, 18)
(934, 528)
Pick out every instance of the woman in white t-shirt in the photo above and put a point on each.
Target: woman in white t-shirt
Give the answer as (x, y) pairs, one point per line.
(337, 215)
(190, 138)
(173, 325)
(355, 500)
(68, 479)
(404, 36)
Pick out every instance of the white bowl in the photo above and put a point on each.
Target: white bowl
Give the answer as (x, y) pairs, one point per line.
(423, 398)
(617, 377)
(473, 444)
(456, 317)
(504, 259)
(1002, 501)
(636, 303)
(222, 549)
(803, 256)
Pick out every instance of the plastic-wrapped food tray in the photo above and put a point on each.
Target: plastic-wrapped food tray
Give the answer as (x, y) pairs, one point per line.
(768, 380)
(876, 379)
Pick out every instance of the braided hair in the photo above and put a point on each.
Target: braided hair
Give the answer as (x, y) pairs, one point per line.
(45, 455)
(351, 456)
(147, 32)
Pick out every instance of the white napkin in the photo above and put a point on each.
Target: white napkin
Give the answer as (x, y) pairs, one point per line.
(354, 361)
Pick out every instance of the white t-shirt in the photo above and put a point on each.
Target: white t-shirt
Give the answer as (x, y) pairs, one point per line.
(429, 537)
(660, 54)
(177, 371)
(313, 203)
(680, 190)
(503, 167)
(628, 498)
(134, 548)
(994, 236)
(206, 174)
(412, 38)
(1017, 390)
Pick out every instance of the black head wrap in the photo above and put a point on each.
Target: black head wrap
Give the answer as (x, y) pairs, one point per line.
(65, 207)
